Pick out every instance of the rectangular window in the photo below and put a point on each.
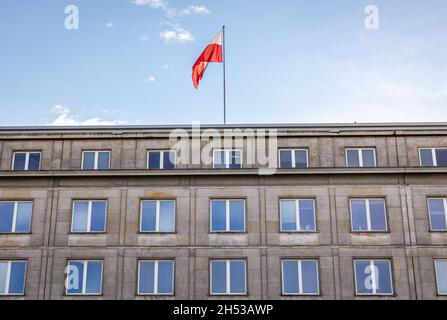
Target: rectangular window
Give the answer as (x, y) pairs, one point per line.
(433, 157)
(227, 159)
(12, 277)
(84, 277)
(89, 216)
(441, 276)
(15, 216)
(95, 160)
(437, 210)
(373, 277)
(26, 161)
(361, 157)
(297, 215)
(161, 159)
(228, 277)
(228, 215)
(157, 216)
(300, 277)
(293, 158)
(368, 215)
(156, 277)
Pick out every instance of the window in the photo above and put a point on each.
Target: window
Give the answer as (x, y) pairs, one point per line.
(227, 215)
(229, 159)
(437, 210)
(15, 216)
(361, 157)
(441, 275)
(84, 277)
(95, 160)
(373, 277)
(228, 277)
(293, 158)
(300, 277)
(26, 161)
(12, 277)
(157, 216)
(155, 277)
(161, 159)
(297, 215)
(433, 157)
(368, 215)
(89, 216)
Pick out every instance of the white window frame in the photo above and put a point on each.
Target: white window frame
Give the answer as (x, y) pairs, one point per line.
(96, 161)
(8, 278)
(433, 155)
(300, 278)
(292, 150)
(84, 278)
(228, 278)
(156, 293)
(227, 216)
(368, 215)
(360, 155)
(297, 215)
(27, 154)
(162, 152)
(157, 215)
(444, 201)
(437, 276)
(14, 216)
(89, 216)
(373, 277)
(227, 157)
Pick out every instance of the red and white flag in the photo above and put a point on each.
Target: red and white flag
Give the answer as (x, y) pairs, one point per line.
(212, 53)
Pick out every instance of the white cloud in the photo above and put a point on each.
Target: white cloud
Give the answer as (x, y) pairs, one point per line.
(151, 79)
(152, 3)
(109, 24)
(195, 10)
(65, 118)
(143, 38)
(176, 35)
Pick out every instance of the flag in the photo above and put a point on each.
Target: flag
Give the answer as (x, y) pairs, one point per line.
(212, 53)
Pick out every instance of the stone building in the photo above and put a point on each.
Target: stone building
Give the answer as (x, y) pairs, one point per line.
(353, 211)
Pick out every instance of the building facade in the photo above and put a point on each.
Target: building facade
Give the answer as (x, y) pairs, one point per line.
(351, 212)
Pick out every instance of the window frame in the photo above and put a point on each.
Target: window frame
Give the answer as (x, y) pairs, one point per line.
(162, 152)
(433, 155)
(297, 215)
(228, 277)
(360, 155)
(368, 216)
(14, 216)
(96, 160)
(227, 158)
(89, 216)
(157, 216)
(444, 201)
(292, 150)
(156, 261)
(27, 154)
(84, 278)
(435, 260)
(300, 277)
(8, 278)
(227, 215)
(372, 261)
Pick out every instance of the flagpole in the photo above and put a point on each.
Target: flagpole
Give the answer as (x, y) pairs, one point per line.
(224, 88)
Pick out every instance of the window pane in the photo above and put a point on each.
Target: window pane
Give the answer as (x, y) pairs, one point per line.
(363, 277)
(309, 271)
(383, 275)
(237, 276)
(94, 277)
(377, 214)
(237, 216)
(103, 160)
(6, 216)
(17, 277)
(19, 161)
(34, 161)
(358, 215)
(307, 215)
(74, 277)
(288, 215)
(426, 158)
(98, 223)
(154, 160)
(235, 159)
(165, 272)
(167, 216)
(441, 276)
(169, 160)
(219, 159)
(3, 271)
(437, 214)
(285, 157)
(441, 157)
(300, 159)
(218, 276)
(80, 216)
(23, 220)
(368, 158)
(146, 277)
(89, 161)
(353, 158)
(148, 215)
(290, 277)
(218, 215)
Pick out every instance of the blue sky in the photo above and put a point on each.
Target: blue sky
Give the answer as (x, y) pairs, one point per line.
(287, 61)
